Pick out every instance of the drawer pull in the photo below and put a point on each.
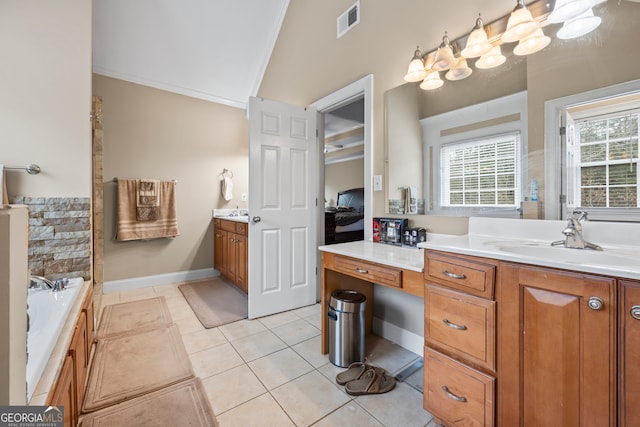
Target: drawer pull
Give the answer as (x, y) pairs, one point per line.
(361, 271)
(453, 396)
(454, 326)
(635, 312)
(453, 275)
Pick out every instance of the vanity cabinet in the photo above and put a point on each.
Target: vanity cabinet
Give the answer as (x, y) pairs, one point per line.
(557, 339)
(68, 389)
(459, 336)
(629, 353)
(231, 251)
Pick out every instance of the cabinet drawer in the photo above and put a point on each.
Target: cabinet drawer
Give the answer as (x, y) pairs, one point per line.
(461, 325)
(228, 225)
(370, 272)
(241, 228)
(455, 393)
(458, 272)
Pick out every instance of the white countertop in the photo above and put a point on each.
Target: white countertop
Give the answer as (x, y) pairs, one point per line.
(529, 242)
(231, 215)
(395, 256)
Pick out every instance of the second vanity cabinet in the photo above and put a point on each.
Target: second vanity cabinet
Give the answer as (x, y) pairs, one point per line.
(512, 344)
(231, 251)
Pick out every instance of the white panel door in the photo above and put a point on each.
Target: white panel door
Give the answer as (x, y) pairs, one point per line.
(283, 167)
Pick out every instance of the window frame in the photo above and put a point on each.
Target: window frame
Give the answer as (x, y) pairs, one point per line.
(491, 118)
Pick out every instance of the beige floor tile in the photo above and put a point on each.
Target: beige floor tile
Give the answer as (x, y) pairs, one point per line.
(387, 355)
(188, 324)
(215, 360)
(201, 340)
(259, 412)
(310, 351)
(329, 371)
(110, 298)
(402, 406)
(178, 307)
(297, 331)
(310, 310)
(280, 367)
(241, 328)
(351, 415)
(231, 388)
(314, 320)
(309, 398)
(137, 294)
(258, 345)
(168, 290)
(278, 319)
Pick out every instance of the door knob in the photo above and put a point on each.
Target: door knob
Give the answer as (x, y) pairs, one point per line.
(256, 219)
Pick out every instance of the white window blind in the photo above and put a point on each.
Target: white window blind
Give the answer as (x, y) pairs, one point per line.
(484, 172)
(606, 165)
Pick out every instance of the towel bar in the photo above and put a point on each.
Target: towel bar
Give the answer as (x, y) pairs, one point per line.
(115, 179)
(31, 168)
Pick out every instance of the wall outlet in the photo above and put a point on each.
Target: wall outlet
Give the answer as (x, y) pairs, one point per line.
(377, 183)
(243, 197)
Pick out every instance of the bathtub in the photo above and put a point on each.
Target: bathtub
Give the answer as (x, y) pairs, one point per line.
(48, 312)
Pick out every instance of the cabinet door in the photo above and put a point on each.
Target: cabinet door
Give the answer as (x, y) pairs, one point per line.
(232, 256)
(63, 393)
(78, 353)
(220, 251)
(629, 374)
(557, 348)
(241, 257)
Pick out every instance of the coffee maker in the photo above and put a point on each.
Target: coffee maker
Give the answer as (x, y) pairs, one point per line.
(389, 230)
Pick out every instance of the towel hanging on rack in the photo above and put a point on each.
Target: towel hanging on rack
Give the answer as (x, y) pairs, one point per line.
(227, 188)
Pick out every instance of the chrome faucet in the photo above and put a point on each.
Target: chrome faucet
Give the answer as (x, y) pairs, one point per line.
(573, 233)
(40, 282)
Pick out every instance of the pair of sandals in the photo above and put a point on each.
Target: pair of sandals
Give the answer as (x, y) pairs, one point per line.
(360, 379)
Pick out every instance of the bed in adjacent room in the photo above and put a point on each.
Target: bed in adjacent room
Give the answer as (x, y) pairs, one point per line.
(345, 221)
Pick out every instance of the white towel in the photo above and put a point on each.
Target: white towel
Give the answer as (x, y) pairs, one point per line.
(410, 200)
(227, 188)
(4, 198)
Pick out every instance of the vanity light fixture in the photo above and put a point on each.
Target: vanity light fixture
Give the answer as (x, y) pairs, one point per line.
(520, 24)
(444, 56)
(565, 10)
(532, 44)
(432, 81)
(477, 43)
(416, 71)
(491, 59)
(579, 26)
(459, 71)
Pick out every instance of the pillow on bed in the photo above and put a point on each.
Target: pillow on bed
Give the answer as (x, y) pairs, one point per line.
(345, 209)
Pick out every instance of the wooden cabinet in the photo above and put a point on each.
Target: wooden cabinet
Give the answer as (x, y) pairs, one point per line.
(459, 336)
(63, 393)
(629, 353)
(69, 388)
(231, 251)
(557, 348)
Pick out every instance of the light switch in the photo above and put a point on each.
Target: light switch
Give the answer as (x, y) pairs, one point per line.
(243, 197)
(377, 183)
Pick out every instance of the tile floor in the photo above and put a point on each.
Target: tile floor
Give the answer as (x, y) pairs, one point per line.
(269, 371)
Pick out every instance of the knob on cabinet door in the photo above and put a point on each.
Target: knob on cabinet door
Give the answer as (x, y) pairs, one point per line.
(635, 312)
(595, 303)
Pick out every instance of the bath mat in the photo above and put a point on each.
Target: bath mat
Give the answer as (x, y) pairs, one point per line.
(130, 365)
(182, 404)
(215, 302)
(133, 316)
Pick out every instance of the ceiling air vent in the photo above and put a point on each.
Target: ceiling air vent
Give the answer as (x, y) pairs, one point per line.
(349, 19)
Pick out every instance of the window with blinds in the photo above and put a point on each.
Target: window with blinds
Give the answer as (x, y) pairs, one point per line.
(605, 171)
(483, 172)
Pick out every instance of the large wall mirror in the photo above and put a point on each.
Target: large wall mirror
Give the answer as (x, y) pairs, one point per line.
(604, 58)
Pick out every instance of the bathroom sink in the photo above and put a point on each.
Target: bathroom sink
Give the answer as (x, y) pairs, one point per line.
(574, 256)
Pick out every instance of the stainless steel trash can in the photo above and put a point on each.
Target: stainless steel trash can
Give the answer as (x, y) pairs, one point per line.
(346, 327)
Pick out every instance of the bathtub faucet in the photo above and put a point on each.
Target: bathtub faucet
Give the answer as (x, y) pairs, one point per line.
(39, 282)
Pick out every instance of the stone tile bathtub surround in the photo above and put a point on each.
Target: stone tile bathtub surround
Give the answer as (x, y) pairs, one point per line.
(59, 236)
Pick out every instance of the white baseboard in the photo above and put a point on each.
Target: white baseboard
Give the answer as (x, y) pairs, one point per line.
(157, 280)
(405, 339)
